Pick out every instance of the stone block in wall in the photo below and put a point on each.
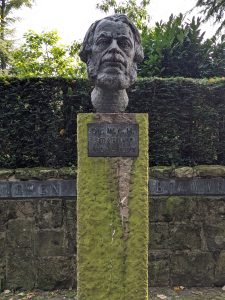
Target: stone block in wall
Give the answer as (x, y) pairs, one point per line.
(209, 171)
(3, 218)
(2, 273)
(159, 234)
(184, 236)
(159, 268)
(157, 209)
(173, 209)
(20, 272)
(2, 244)
(212, 209)
(56, 273)
(215, 236)
(20, 237)
(49, 213)
(220, 270)
(23, 209)
(161, 172)
(192, 269)
(69, 216)
(49, 243)
(181, 208)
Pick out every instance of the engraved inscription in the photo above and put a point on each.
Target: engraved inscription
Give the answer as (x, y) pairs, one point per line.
(36, 189)
(195, 186)
(4, 189)
(112, 140)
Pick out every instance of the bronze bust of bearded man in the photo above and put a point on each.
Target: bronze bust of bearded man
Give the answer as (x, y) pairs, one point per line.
(111, 49)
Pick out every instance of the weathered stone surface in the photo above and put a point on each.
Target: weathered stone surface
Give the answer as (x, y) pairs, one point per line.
(157, 209)
(181, 208)
(2, 245)
(50, 214)
(20, 272)
(192, 269)
(215, 236)
(6, 173)
(220, 270)
(159, 274)
(69, 214)
(211, 209)
(112, 224)
(49, 243)
(3, 218)
(39, 173)
(20, 209)
(20, 237)
(67, 173)
(209, 171)
(184, 172)
(160, 172)
(159, 234)
(185, 237)
(56, 273)
(159, 268)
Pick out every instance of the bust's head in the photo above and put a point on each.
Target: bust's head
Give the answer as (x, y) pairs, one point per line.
(111, 50)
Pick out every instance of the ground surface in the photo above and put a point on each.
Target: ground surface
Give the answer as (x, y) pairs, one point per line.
(179, 293)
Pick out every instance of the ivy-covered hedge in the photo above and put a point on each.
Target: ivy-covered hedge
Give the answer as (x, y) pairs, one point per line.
(38, 120)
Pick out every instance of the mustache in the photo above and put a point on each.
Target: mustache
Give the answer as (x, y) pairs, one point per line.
(115, 58)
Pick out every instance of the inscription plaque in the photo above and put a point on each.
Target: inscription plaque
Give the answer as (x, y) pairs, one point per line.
(37, 189)
(113, 140)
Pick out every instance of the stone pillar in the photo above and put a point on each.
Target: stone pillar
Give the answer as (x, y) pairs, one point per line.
(112, 216)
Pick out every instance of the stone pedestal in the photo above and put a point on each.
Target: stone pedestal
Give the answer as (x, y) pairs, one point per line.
(112, 215)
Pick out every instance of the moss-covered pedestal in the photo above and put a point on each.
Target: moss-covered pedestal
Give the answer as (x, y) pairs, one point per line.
(112, 217)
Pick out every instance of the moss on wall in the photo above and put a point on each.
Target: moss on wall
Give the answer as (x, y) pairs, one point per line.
(112, 255)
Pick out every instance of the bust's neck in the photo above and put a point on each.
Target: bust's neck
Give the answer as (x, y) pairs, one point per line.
(109, 101)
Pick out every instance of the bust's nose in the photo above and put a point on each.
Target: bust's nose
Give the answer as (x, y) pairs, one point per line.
(114, 48)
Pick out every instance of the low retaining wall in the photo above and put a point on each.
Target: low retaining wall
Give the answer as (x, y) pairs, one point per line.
(38, 227)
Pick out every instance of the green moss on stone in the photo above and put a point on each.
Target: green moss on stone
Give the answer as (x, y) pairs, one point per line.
(161, 171)
(210, 171)
(110, 267)
(173, 204)
(6, 173)
(184, 172)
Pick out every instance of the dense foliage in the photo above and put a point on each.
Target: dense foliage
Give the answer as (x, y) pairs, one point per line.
(7, 7)
(42, 55)
(178, 48)
(38, 120)
(214, 9)
(136, 12)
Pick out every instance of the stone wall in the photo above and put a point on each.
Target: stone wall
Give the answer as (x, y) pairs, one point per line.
(187, 234)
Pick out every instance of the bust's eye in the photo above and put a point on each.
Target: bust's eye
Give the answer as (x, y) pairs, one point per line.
(104, 41)
(123, 43)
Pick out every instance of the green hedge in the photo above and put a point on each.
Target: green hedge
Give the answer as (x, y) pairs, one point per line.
(38, 117)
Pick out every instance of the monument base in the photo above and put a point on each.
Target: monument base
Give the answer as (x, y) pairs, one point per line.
(112, 207)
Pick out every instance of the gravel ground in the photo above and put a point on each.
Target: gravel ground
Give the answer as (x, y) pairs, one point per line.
(155, 294)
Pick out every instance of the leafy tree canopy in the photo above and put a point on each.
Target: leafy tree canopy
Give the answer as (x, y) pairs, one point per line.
(42, 55)
(7, 7)
(136, 12)
(213, 9)
(178, 48)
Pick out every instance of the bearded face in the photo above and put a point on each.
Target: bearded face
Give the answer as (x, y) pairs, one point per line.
(111, 63)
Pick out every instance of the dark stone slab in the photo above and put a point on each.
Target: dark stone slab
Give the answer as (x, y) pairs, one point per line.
(194, 268)
(194, 186)
(113, 140)
(37, 189)
(67, 188)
